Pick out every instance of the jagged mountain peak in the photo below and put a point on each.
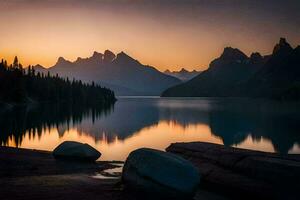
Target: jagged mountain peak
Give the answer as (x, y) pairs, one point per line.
(256, 58)
(183, 70)
(62, 60)
(230, 53)
(122, 53)
(97, 55)
(109, 56)
(79, 59)
(282, 41)
(256, 55)
(38, 66)
(182, 74)
(282, 47)
(122, 56)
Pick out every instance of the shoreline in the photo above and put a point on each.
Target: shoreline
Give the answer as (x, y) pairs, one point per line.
(35, 174)
(239, 172)
(226, 173)
(31, 162)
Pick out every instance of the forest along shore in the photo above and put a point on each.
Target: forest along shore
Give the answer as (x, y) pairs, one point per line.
(226, 173)
(19, 86)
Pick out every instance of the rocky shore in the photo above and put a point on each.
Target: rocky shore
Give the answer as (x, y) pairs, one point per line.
(31, 174)
(226, 173)
(243, 173)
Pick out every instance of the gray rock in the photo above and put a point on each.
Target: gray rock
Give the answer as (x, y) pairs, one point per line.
(254, 174)
(76, 151)
(160, 173)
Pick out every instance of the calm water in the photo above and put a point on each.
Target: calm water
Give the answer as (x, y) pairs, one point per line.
(135, 122)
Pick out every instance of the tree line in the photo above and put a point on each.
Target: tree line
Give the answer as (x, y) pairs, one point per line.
(20, 85)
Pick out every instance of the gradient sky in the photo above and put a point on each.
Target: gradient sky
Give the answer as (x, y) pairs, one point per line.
(163, 33)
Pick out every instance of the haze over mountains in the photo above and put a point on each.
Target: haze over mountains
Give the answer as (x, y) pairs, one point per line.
(183, 74)
(121, 73)
(236, 74)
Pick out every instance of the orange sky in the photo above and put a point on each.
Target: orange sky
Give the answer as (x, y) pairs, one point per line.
(162, 34)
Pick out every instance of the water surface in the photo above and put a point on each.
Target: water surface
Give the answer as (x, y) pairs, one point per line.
(154, 122)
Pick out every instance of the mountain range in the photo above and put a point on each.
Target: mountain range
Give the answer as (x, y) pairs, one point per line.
(183, 74)
(121, 73)
(234, 74)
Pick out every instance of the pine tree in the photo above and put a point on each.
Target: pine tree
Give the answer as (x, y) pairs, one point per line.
(16, 63)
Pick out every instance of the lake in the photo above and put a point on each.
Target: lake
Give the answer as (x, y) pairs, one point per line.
(154, 122)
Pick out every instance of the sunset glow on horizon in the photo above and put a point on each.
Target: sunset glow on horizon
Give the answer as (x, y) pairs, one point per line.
(164, 34)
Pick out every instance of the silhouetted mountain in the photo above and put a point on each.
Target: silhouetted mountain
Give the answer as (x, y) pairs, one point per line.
(40, 68)
(183, 74)
(280, 76)
(234, 74)
(121, 73)
(231, 68)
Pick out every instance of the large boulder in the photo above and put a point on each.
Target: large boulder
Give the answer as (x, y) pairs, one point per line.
(76, 151)
(160, 173)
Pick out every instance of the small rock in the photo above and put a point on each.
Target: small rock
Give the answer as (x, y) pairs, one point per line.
(76, 151)
(160, 173)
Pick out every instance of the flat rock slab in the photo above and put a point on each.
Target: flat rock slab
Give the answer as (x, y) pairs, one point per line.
(16, 162)
(239, 171)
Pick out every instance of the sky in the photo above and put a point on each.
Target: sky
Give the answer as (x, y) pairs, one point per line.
(167, 34)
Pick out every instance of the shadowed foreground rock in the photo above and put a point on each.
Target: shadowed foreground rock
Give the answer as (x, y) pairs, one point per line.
(160, 174)
(35, 175)
(244, 173)
(76, 151)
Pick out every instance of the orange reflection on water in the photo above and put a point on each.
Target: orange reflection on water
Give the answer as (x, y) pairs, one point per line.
(260, 145)
(157, 136)
(295, 149)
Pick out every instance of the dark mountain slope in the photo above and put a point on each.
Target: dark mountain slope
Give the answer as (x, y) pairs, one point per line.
(234, 74)
(225, 72)
(280, 73)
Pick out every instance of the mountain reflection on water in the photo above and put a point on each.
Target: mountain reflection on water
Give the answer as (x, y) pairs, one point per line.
(135, 122)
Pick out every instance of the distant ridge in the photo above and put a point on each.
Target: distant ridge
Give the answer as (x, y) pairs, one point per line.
(121, 73)
(235, 74)
(183, 74)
